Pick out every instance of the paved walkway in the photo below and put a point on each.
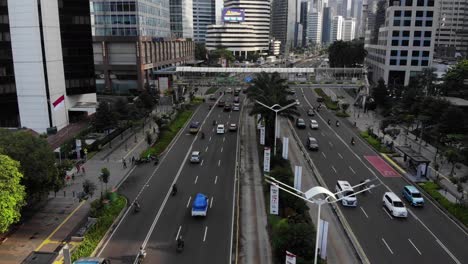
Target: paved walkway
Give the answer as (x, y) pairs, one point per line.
(63, 213)
(372, 119)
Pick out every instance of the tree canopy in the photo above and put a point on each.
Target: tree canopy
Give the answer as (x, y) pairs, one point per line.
(36, 159)
(200, 51)
(454, 80)
(104, 118)
(346, 53)
(221, 52)
(12, 194)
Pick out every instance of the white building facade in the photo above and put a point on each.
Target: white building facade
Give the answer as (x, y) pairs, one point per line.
(349, 29)
(336, 30)
(405, 43)
(314, 27)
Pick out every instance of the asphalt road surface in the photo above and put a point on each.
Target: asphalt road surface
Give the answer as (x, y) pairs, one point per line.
(163, 217)
(426, 236)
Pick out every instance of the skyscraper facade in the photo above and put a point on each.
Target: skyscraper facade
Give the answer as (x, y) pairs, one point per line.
(326, 25)
(452, 29)
(181, 17)
(349, 29)
(47, 64)
(336, 32)
(283, 19)
(314, 27)
(204, 14)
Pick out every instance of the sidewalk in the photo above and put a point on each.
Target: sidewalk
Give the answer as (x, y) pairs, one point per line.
(64, 214)
(372, 119)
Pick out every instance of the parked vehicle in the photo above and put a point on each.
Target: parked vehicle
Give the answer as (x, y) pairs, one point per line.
(200, 205)
(413, 196)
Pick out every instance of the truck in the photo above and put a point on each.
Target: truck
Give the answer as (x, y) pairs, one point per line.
(200, 205)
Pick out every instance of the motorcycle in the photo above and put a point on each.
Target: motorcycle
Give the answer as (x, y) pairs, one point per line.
(142, 160)
(214, 122)
(202, 135)
(180, 245)
(136, 209)
(174, 190)
(337, 123)
(353, 142)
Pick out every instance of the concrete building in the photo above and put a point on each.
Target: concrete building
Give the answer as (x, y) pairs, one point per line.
(349, 29)
(326, 25)
(47, 70)
(283, 19)
(181, 17)
(204, 14)
(275, 47)
(314, 28)
(336, 32)
(129, 45)
(245, 28)
(405, 42)
(452, 29)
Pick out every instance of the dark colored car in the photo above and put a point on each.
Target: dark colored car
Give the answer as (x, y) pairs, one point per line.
(221, 103)
(312, 143)
(320, 99)
(227, 108)
(213, 97)
(194, 127)
(300, 123)
(291, 91)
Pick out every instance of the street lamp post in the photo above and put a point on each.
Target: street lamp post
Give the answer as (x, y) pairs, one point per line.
(309, 195)
(276, 108)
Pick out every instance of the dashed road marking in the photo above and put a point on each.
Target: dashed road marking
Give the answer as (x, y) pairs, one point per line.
(204, 236)
(333, 168)
(211, 202)
(196, 179)
(206, 149)
(216, 179)
(387, 212)
(385, 242)
(201, 164)
(219, 163)
(352, 169)
(323, 154)
(340, 155)
(188, 202)
(414, 246)
(221, 149)
(178, 232)
(364, 212)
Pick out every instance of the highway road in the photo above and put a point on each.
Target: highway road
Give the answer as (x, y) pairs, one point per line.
(163, 217)
(426, 236)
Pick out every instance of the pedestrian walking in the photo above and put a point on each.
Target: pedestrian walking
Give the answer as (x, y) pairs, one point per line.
(125, 164)
(133, 160)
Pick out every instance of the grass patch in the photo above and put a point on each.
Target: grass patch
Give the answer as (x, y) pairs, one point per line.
(168, 134)
(211, 90)
(328, 101)
(342, 114)
(106, 216)
(458, 210)
(375, 143)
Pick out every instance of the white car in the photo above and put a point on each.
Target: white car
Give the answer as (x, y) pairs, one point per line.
(236, 107)
(314, 124)
(220, 129)
(195, 157)
(346, 193)
(394, 205)
(232, 127)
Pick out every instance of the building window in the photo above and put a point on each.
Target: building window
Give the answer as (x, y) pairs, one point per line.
(392, 62)
(416, 43)
(396, 23)
(424, 63)
(420, 2)
(405, 43)
(403, 53)
(396, 33)
(415, 53)
(418, 23)
(425, 53)
(428, 23)
(394, 53)
(419, 13)
(407, 23)
(430, 2)
(429, 13)
(394, 42)
(427, 43)
(407, 13)
(403, 62)
(406, 33)
(397, 13)
(428, 34)
(409, 3)
(417, 33)
(414, 62)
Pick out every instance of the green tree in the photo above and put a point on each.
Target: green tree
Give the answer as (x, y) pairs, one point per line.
(270, 89)
(105, 175)
(297, 238)
(453, 157)
(89, 187)
(200, 51)
(427, 79)
(104, 118)
(346, 54)
(380, 94)
(122, 108)
(37, 162)
(454, 79)
(146, 101)
(12, 194)
(221, 52)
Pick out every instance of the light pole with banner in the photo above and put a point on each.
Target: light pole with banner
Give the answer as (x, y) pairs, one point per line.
(276, 108)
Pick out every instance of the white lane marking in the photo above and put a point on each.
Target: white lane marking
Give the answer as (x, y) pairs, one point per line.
(362, 209)
(201, 164)
(178, 232)
(206, 149)
(414, 246)
(211, 202)
(387, 212)
(196, 179)
(224, 139)
(352, 170)
(204, 236)
(221, 149)
(216, 179)
(219, 163)
(188, 202)
(333, 168)
(385, 242)
(323, 154)
(448, 252)
(340, 155)
(229, 116)
(210, 137)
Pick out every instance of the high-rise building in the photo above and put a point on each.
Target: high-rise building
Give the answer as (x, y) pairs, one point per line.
(305, 9)
(336, 32)
(452, 29)
(46, 74)
(181, 17)
(349, 29)
(356, 12)
(204, 14)
(326, 25)
(314, 28)
(283, 19)
(246, 27)
(131, 40)
(405, 42)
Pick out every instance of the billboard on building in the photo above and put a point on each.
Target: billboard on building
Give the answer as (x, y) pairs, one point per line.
(233, 15)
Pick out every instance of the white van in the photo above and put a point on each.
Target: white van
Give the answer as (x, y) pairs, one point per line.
(220, 129)
(344, 189)
(394, 205)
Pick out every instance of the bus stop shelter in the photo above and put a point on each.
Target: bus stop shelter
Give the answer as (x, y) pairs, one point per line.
(415, 160)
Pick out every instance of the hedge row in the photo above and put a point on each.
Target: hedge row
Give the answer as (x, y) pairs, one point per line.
(332, 105)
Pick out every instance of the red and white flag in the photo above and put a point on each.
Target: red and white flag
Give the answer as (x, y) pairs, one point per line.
(59, 102)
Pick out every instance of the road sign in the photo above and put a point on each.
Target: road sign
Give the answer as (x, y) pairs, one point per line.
(274, 198)
(290, 258)
(262, 135)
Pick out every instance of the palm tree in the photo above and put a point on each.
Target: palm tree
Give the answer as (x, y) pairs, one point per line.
(270, 89)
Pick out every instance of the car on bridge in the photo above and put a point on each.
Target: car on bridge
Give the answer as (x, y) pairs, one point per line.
(345, 192)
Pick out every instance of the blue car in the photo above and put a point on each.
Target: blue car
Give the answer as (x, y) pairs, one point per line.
(413, 195)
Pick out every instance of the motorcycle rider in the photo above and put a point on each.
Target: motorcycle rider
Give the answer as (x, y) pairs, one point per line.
(329, 122)
(142, 253)
(337, 123)
(203, 135)
(352, 141)
(137, 206)
(174, 189)
(180, 242)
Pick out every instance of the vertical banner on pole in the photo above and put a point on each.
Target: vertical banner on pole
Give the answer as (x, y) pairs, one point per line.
(274, 197)
(262, 135)
(290, 258)
(266, 159)
(298, 177)
(323, 238)
(259, 124)
(285, 147)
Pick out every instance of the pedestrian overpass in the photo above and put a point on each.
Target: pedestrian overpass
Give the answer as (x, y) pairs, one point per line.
(344, 78)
